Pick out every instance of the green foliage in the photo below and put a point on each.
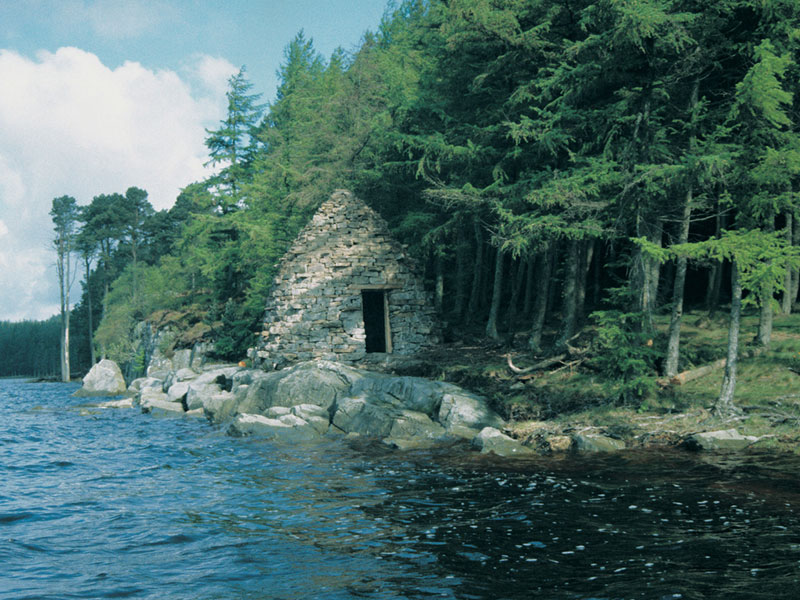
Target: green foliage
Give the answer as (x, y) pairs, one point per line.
(625, 355)
(236, 332)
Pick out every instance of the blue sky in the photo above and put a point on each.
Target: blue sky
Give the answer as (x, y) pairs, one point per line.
(100, 95)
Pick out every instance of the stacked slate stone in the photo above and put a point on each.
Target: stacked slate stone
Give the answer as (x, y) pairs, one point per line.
(315, 308)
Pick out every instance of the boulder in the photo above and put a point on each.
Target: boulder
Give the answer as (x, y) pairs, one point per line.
(355, 401)
(319, 383)
(725, 440)
(177, 391)
(413, 425)
(594, 442)
(315, 415)
(288, 428)
(464, 414)
(123, 403)
(162, 407)
(220, 406)
(185, 374)
(207, 385)
(364, 415)
(104, 379)
(492, 440)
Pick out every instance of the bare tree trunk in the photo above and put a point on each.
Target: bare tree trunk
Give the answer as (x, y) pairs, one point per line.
(497, 288)
(518, 277)
(674, 338)
(461, 276)
(587, 251)
(570, 304)
(474, 297)
(787, 299)
(529, 286)
(645, 272)
(679, 283)
(715, 275)
(795, 272)
(724, 406)
(438, 298)
(764, 335)
(544, 268)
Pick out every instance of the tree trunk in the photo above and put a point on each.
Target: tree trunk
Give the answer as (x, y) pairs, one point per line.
(724, 406)
(587, 251)
(461, 276)
(529, 286)
(570, 302)
(89, 309)
(715, 275)
(438, 298)
(474, 297)
(516, 288)
(786, 298)
(679, 283)
(645, 273)
(764, 335)
(795, 272)
(497, 288)
(544, 268)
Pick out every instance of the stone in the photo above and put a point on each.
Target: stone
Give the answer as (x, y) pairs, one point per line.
(185, 374)
(123, 403)
(162, 407)
(104, 379)
(198, 393)
(220, 406)
(151, 394)
(492, 440)
(288, 428)
(177, 391)
(594, 442)
(317, 383)
(136, 385)
(723, 440)
(464, 414)
(364, 416)
(413, 425)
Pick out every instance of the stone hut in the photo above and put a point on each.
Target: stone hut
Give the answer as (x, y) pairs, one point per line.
(344, 289)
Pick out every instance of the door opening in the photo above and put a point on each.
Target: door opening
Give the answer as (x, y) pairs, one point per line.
(376, 321)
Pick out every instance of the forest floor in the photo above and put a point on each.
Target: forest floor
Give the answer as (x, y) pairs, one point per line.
(574, 396)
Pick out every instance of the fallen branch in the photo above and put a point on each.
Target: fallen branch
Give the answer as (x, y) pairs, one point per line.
(542, 364)
(568, 365)
(692, 374)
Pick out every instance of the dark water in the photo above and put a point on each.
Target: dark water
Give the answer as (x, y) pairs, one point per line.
(115, 504)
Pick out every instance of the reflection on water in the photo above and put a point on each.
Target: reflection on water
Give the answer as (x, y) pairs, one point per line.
(112, 503)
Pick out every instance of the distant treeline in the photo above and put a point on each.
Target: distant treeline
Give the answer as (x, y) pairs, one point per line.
(30, 348)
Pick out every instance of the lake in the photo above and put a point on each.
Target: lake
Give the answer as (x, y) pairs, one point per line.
(113, 503)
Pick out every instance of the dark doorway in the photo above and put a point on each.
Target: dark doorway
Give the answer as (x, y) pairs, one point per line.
(373, 304)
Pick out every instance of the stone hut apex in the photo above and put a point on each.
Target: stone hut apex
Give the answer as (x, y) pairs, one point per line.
(345, 288)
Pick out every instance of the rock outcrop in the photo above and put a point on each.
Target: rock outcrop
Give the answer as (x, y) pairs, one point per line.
(104, 379)
(316, 398)
(724, 440)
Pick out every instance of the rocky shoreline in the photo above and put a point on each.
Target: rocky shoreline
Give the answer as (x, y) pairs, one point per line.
(309, 400)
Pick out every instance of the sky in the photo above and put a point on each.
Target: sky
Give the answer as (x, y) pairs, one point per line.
(97, 96)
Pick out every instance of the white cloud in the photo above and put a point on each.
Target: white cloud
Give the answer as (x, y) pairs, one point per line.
(211, 73)
(70, 125)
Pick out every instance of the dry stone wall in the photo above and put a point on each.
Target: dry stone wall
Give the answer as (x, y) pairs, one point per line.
(315, 308)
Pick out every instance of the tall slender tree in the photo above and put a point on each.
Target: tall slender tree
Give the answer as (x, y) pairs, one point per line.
(65, 214)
